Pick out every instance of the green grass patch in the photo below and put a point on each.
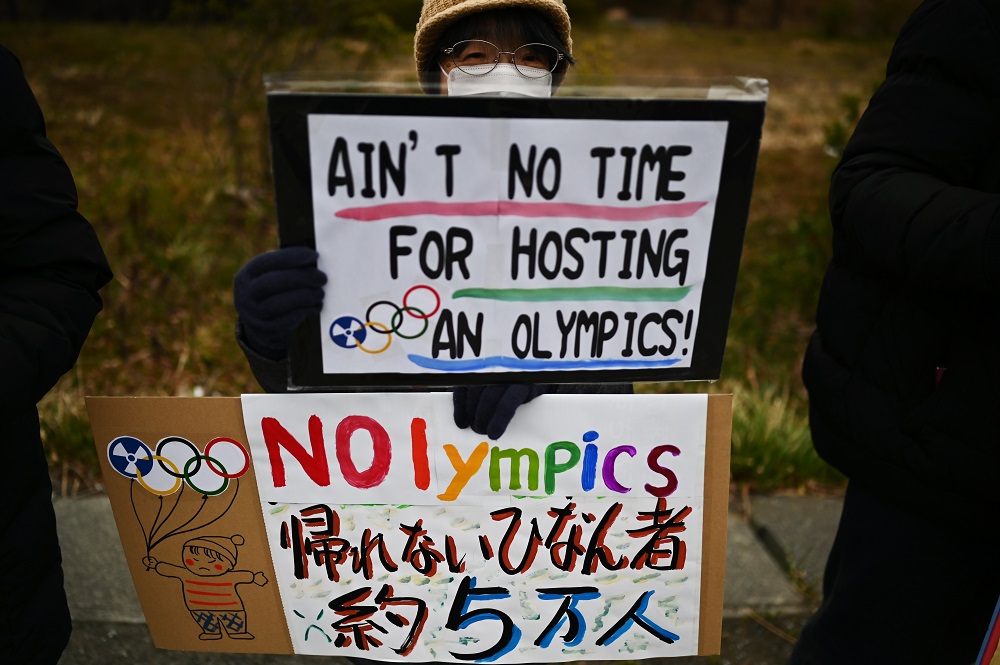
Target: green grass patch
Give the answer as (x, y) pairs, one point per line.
(772, 448)
(771, 444)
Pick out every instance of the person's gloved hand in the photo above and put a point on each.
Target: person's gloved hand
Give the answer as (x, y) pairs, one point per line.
(489, 409)
(274, 293)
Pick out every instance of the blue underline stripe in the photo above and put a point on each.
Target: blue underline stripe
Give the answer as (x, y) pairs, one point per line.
(506, 362)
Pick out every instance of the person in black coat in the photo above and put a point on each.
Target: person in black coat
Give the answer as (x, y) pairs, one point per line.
(51, 268)
(903, 371)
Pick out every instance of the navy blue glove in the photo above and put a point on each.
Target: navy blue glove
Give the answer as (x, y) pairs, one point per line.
(274, 293)
(489, 409)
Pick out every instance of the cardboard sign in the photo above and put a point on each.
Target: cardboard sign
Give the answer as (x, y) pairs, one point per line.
(560, 238)
(370, 526)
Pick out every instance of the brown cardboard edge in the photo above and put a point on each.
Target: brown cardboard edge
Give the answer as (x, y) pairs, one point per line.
(718, 441)
(716, 505)
(135, 413)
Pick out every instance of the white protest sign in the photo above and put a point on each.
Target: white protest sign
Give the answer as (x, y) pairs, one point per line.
(370, 526)
(396, 536)
(478, 245)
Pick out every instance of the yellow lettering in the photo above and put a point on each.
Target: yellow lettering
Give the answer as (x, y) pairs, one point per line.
(464, 470)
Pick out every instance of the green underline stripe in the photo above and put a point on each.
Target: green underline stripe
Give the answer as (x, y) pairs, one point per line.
(618, 293)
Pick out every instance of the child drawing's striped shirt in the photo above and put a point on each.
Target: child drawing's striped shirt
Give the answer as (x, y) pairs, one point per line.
(216, 593)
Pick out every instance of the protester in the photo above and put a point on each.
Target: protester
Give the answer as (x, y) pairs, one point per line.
(902, 371)
(493, 47)
(51, 268)
(520, 47)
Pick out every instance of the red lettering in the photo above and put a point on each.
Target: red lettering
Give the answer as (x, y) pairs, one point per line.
(421, 467)
(315, 465)
(654, 464)
(379, 469)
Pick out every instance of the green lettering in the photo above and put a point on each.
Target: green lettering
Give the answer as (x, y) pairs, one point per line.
(552, 468)
(514, 456)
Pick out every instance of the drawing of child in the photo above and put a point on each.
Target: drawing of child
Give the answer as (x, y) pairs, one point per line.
(209, 584)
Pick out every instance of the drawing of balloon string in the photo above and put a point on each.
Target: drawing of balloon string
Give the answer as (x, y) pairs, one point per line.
(350, 332)
(174, 467)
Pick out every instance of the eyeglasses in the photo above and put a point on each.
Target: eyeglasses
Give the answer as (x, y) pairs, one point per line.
(531, 60)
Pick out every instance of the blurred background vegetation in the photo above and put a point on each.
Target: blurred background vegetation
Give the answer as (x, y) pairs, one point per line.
(158, 107)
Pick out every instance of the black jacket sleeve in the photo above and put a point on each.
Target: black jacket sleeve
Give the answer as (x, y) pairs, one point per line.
(913, 201)
(51, 263)
(272, 375)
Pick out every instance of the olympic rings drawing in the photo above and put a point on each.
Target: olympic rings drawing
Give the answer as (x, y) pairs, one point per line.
(437, 297)
(246, 457)
(210, 460)
(350, 332)
(154, 490)
(401, 313)
(171, 467)
(177, 461)
(179, 442)
(388, 340)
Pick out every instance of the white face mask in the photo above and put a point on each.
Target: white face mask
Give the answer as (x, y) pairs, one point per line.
(503, 81)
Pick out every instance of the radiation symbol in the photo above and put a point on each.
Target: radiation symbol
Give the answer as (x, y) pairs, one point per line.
(348, 331)
(128, 455)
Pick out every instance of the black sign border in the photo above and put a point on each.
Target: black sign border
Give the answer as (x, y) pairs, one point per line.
(288, 117)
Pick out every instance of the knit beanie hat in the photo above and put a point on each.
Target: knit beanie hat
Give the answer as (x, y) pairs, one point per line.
(225, 547)
(437, 15)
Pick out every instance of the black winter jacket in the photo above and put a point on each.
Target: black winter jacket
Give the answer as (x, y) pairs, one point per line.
(51, 267)
(903, 371)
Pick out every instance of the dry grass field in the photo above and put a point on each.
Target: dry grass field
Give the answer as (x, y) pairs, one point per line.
(162, 127)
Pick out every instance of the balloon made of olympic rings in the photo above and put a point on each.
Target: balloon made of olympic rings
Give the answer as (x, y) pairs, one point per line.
(177, 477)
(246, 457)
(401, 313)
(437, 297)
(181, 440)
(188, 476)
(371, 308)
(388, 340)
(127, 454)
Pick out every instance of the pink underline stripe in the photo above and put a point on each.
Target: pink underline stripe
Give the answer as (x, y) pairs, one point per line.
(522, 209)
